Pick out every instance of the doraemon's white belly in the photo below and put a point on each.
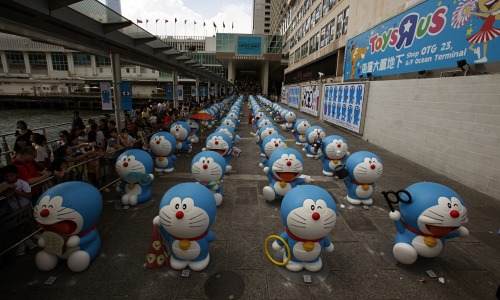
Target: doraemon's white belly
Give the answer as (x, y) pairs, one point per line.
(424, 250)
(191, 253)
(161, 162)
(134, 189)
(302, 138)
(282, 191)
(332, 165)
(289, 125)
(178, 145)
(361, 193)
(301, 254)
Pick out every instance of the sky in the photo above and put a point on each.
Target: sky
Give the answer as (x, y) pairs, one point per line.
(238, 12)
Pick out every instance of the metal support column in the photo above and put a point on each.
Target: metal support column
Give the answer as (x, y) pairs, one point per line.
(197, 94)
(176, 95)
(209, 93)
(117, 94)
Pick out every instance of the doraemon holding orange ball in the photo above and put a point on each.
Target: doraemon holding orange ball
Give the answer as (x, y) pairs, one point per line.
(162, 146)
(309, 213)
(68, 212)
(134, 168)
(187, 211)
(431, 214)
(208, 168)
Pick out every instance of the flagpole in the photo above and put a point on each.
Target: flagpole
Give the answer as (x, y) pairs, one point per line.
(156, 28)
(166, 29)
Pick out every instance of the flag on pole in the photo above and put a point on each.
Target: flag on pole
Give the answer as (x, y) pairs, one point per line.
(215, 25)
(157, 20)
(185, 21)
(223, 25)
(139, 21)
(166, 21)
(232, 25)
(203, 23)
(175, 20)
(147, 21)
(194, 22)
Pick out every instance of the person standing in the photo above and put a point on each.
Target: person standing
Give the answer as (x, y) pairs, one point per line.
(77, 121)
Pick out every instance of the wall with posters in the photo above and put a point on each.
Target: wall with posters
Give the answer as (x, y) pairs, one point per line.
(284, 95)
(343, 105)
(310, 99)
(293, 96)
(431, 35)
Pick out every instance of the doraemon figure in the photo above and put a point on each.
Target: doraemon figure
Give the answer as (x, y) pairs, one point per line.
(271, 143)
(221, 143)
(68, 212)
(309, 214)
(364, 168)
(181, 131)
(230, 122)
(134, 168)
(162, 145)
(187, 211)
(284, 171)
(299, 130)
(264, 132)
(434, 214)
(312, 134)
(194, 133)
(289, 120)
(208, 168)
(334, 153)
(264, 121)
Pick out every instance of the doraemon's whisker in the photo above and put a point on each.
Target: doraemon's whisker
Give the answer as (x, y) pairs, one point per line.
(329, 222)
(298, 226)
(326, 227)
(436, 213)
(65, 218)
(329, 217)
(197, 221)
(166, 225)
(434, 223)
(298, 221)
(362, 168)
(195, 216)
(278, 164)
(299, 216)
(66, 213)
(165, 214)
(197, 226)
(67, 207)
(165, 220)
(434, 218)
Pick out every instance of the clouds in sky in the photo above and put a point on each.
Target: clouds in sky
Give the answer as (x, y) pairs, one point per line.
(239, 12)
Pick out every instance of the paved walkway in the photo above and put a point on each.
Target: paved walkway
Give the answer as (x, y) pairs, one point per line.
(361, 266)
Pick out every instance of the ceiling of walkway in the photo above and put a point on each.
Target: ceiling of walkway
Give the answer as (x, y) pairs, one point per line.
(89, 26)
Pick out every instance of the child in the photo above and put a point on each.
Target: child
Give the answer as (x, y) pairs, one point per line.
(43, 152)
(113, 142)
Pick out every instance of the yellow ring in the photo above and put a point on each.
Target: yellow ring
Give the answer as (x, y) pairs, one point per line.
(269, 255)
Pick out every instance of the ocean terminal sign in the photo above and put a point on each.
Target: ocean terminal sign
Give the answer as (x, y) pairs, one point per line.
(248, 57)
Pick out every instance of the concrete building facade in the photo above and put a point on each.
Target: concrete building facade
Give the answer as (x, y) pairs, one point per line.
(261, 17)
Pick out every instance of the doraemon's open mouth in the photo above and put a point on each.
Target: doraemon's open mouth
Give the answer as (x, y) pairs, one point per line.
(440, 230)
(287, 175)
(63, 228)
(220, 151)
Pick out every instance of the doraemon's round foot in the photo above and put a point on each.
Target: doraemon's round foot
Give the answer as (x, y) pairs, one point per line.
(353, 201)
(199, 265)
(298, 143)
(132, 200)
(262, 155)
(367, 202)
(168, 170)
(314, 267)
(78, 261)
(125, 200)
(229, 168)
(218, 199)
(269, 194)
(178, 264)
(293, 266)
(45, 261)
(327, 173)
(405, 253)
(158, 170)
(310, 155)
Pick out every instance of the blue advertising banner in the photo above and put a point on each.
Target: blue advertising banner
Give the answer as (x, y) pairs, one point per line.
(293, 96)
(432, 35)
(106, 97)
(193, 90)
(170, 92)
(249, 45)
(180, 92)
(126, 89)
(343, 105)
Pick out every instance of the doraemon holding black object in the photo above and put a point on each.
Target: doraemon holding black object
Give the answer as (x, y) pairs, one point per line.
(431, 214)
(312, 135)
(162, 146)
(68, 212)
(333, 153)
(186, 213)
(309, 213)
(208, 168)
(299, 130)
(363, 169)
(134, 168)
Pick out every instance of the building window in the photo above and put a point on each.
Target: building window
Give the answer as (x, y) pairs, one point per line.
(127, 70)
(342, 19)
(37, 59)
(266, 24)
(81, 59)
(266, 30)
(268, 19)
(59, 61)
(14, 57)
(268, 7)
(103, 60)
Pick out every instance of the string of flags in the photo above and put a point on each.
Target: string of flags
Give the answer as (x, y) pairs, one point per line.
(139, 21)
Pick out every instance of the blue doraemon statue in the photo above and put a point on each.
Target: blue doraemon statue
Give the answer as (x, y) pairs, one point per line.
(182, 131)
(434, 214)
(333, 153)
(363, 169)
(284, 171)
(68, 212)
(309, 213)
(289, 121)
(230, 132)
(221, 143)
(230, 122)
(208, 168)
(299, 130)
(264, 132)
(134, 168)
(271, 143)
(181, 207)
(313, 134)
(195, 126)
(162, 146)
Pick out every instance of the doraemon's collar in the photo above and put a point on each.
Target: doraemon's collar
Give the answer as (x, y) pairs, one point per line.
(327, 158)
(359, 183)
(419, 232)
(86, 231)
(191, 239)
(302, 240)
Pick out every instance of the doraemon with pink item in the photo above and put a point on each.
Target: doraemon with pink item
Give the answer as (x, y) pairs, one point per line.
(134, 167)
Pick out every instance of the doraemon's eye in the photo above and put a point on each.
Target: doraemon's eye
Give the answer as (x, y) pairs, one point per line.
(444, 203)
(177, 206)
(44, 206)
(129, 159)
(50, 206)
(187, 205)
(124, 158)
(449, 205)
(184, 206)
(312, 207)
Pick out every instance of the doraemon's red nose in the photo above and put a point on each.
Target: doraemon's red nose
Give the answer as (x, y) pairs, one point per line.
(216, 142)
(157, 142)
(179, 215)
(454, 214)
(288, 163)
(275, 144)
(305, 125)
(205, 166)
(44, 213)
(372, 167)
(338, 146)
(315, 216)
(125, 164)
(319, 133)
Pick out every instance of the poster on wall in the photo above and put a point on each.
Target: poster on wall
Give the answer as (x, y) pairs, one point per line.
(343, 105)
(126, 90)
(180, 92)
(284, 96)
(431, 35)
(310, 99)
(293, 96)
(169, 89)
(193, 90)
(106, 98)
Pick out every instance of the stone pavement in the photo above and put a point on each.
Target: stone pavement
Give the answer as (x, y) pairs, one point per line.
(361, 266)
